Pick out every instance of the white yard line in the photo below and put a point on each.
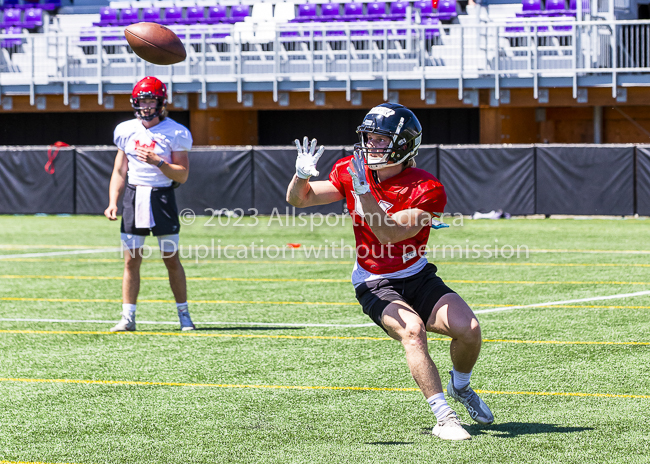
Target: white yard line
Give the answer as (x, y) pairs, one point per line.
(553, 303)
(265, 324)
(59, 253)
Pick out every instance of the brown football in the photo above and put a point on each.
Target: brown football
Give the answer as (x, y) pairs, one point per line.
(155, 43)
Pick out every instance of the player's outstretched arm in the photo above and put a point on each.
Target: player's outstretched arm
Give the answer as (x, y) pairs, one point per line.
(302, 193)
(387, 228)
(116, 187)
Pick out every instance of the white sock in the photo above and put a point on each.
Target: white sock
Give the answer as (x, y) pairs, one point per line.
(439, 405)
(182, 307)
(128, 310)
(461, 380)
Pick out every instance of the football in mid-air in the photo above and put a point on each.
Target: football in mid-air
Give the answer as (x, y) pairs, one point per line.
(155, 43)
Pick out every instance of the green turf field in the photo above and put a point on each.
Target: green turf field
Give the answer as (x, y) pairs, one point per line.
(568, 383)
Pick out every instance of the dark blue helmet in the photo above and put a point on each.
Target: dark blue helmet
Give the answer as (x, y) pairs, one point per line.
(396, 122)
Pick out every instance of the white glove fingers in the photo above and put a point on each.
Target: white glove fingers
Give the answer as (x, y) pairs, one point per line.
(305, 144)
(297, 142)
(319, 153)
(312, 147)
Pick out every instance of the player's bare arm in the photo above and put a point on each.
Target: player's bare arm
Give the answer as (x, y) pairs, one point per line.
(178, 170)
(116, 186)
(393, 228)
(302, 193)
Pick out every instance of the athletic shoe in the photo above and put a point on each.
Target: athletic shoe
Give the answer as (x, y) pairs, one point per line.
(186, 321)
(126, 324)
(476, 408)
(450, 428)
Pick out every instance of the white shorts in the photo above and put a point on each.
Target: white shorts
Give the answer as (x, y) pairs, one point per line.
(167, 243)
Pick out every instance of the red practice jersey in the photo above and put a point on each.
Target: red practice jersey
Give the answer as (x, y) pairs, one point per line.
(412, 188)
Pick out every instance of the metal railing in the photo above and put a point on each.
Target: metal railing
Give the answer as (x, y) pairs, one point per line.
(342, 56)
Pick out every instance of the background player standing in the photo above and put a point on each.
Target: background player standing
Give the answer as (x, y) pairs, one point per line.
(152, 153)
(393, 205)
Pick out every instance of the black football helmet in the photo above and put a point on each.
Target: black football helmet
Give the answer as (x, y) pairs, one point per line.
(394, 121)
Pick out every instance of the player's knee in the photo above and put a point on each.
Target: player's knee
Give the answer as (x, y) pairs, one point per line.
(471, 332)
(132, 262)
(172, 262)
(414, 333)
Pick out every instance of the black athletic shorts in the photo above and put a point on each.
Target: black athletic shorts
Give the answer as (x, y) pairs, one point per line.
(163, 207)
(421, 292)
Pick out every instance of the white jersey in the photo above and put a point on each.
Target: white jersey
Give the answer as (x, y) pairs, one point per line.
(164, 138)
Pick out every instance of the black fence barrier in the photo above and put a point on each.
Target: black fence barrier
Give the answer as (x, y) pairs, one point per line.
(486, 178)
(93, 176)
(274, 169)
(218, 179)
(585, 179)
(519, 179)
(643, 180)
(27, 188)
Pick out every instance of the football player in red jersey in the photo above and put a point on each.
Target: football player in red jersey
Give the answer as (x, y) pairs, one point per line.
(394, 205)
(152, 154)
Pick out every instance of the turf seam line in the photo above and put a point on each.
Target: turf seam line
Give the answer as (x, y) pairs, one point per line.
(272, 324)
(108, 300)
(308, 387)
(300, 337)
(271, 279)
(552, 303)
(59, 253)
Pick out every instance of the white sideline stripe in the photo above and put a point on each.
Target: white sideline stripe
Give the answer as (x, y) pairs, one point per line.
(58, 253)
(552, 303)
(274, 324)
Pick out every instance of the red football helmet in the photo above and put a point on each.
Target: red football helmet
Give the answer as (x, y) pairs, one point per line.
(149, 87)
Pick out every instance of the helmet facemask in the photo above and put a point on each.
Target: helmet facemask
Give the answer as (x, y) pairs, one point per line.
(379, 158)
(140, 111)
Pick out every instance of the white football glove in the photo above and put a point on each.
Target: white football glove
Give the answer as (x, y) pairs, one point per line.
(306, 161)
(358, 174)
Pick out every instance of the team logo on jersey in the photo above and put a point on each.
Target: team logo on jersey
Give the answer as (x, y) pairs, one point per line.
(359, 209)
(144, 146)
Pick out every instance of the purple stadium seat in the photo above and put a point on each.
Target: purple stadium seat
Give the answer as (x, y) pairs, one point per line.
(128, 16)
(87, 34)
(425, 7)
(352, 11)
(51, 5)
(216, 14)
(430, 33)
(11, 18)
(173, 15)
(151, 15)
(238, 13)
(107, 17)
(530, 8)
(194, 15)
(33, 18)
(13, 42)
(573, 6)
(555, 7)
(330, 12)
(397, 11)
(447, 10)
(306, 13)
(359, 33)
(375, 11)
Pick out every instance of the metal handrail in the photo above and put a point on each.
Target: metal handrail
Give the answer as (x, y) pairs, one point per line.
(338, 52)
